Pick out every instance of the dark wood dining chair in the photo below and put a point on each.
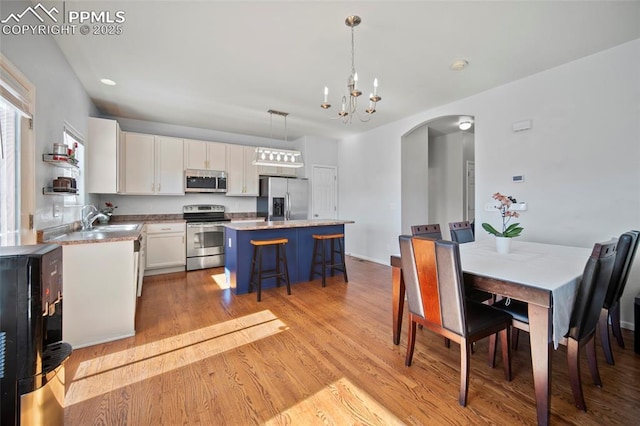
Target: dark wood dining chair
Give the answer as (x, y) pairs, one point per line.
(625, 253)
(584, 316)
(461, 232)
(431, 231)
(435, 295)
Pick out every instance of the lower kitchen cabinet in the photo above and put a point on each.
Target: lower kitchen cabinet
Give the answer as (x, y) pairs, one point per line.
(165, 248)
(99, 292)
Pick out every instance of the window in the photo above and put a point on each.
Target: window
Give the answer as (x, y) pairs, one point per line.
(17, 154)
(9, 174)
(74, 142)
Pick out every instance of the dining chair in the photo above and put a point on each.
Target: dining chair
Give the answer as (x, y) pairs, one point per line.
(585, 315)
(435, 295)
(431, 231)
(625, 253)
(461, 232)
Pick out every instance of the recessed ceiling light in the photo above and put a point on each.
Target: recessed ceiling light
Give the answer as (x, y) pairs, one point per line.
(465, 123)
(459, 64)
(107, 82)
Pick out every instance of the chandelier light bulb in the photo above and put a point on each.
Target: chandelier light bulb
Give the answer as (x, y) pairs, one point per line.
(375, 86)
(326, 93)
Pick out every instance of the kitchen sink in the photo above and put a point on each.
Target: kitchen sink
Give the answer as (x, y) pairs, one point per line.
(114, 228)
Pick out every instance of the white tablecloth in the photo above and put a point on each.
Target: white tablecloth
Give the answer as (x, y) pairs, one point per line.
(547, 266)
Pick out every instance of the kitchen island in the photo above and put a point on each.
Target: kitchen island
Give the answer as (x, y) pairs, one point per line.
(239, 251)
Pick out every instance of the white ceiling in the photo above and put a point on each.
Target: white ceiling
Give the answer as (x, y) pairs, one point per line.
(221, 65)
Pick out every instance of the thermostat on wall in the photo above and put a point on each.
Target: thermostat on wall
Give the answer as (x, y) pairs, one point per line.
(517, 179)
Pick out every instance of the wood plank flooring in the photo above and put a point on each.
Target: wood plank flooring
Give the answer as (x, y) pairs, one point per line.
(322, 356)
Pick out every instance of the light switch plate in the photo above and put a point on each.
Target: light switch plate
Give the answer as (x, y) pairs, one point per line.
(518, 207)
(56, 210)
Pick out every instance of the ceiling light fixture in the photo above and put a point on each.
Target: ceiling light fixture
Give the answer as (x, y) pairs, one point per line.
(465, 123)
(277, 157)
(350, 105)
(107, 82)
(459, 65)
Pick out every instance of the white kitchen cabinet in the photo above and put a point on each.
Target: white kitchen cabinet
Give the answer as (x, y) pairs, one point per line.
(165, 248)
(242, 176)
(99, 292)
(153, 164)
(104, 157)
(202, 155)
(276, 171)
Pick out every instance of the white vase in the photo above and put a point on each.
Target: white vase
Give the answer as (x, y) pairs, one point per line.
(503, 245)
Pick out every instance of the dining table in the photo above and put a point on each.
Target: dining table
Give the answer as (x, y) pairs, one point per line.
(545, 276)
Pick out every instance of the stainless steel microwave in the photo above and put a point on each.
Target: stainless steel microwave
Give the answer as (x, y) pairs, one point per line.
(205, 181)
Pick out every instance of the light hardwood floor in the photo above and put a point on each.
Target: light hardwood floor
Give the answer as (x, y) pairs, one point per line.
(204, 356)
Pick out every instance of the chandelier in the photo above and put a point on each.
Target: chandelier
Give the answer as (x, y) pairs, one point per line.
(350, 104)
(265, 156)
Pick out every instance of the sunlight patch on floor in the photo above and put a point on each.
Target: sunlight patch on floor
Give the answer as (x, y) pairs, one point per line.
(109, 372)
(339, 403)
(221, 281)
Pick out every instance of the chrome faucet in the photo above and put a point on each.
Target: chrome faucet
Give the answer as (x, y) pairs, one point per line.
(87, 219)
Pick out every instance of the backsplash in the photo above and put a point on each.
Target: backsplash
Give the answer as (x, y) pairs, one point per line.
(158, 204)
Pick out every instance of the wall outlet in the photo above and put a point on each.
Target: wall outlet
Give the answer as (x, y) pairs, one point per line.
(518, 207)
(56, 210)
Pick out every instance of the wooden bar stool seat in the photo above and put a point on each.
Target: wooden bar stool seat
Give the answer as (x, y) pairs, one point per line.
(319, 258)
(281, 270)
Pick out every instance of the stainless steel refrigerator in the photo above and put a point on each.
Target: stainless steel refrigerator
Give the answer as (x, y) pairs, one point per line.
(283, 198)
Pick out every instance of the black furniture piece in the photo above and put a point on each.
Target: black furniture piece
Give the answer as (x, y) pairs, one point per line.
(625, 252)
(436, 299)
(281, 270)
(636, 316)
(32, 354)
(431, 231)
(319, 257)
(584, 316)
(461, 232)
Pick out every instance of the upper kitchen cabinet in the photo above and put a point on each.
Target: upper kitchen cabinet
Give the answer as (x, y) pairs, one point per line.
(104, 157)
(204, 155)
(153, 164)
(242, 176)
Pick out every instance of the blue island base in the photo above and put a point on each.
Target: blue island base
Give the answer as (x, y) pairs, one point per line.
(239, 253)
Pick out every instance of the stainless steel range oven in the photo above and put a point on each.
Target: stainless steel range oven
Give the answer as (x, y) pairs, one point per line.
(205, 235)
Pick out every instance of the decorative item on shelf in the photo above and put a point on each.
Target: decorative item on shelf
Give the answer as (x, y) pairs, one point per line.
(350, 105)
(274, 156)
(107, 210)
(509, 231)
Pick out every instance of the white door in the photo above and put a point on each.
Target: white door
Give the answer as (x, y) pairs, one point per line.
(471, 191)
(324, 192)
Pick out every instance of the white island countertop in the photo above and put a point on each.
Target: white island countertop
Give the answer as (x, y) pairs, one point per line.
(284, 224)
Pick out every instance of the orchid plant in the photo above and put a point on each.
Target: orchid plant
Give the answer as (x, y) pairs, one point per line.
(508, 230)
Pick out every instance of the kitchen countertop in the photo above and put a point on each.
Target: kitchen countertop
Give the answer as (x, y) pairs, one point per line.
(284, 224)
(99, 234)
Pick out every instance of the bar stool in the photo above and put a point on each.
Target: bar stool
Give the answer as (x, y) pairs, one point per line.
(320, 241)
(281, 270)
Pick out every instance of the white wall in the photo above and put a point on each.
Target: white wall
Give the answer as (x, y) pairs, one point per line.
(446, 190)
(581, 159)
(415, 178)
(60, 98)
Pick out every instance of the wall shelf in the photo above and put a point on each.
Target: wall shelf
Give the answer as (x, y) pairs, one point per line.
(50, 191)
(59, 160)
